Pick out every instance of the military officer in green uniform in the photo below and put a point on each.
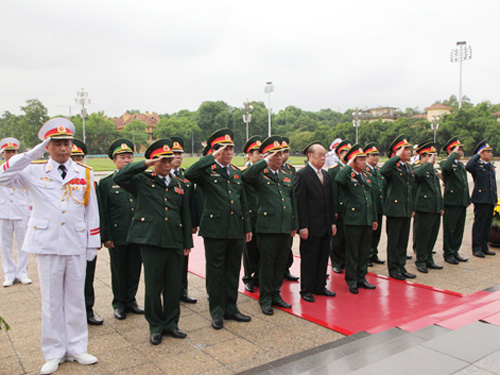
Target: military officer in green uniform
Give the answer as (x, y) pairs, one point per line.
(191, 192)
(161, 226)
(117, 207)
(277, 220)
(290, 169)
(398, 206)
(251, 250)
(338, 245)
(225, 225)
(428, 207)
(456, 200)
(78, 153)
(360, 218)
(372, 159)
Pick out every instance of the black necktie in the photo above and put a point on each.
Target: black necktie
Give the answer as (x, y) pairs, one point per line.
(227, 170)
(62, 169)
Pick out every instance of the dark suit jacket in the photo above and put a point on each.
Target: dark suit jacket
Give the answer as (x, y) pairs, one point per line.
(315, 204)
(485, 184)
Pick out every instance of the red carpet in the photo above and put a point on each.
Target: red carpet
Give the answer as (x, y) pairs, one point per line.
(394, 303)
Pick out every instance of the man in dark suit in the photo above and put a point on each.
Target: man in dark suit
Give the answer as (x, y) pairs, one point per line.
(161, 226)
(116, 208)
(276, 221)
(313, 192)
(456, 200)
(398, 206)
(225, 225)
(484, 197)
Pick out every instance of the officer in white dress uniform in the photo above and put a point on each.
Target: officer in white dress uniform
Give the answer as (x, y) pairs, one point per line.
(331, 157)
(14, 215)
(63, 232)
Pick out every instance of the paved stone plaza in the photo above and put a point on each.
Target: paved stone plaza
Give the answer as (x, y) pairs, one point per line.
(123, 346)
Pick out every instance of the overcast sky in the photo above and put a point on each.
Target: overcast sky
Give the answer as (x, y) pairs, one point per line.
(165, 56)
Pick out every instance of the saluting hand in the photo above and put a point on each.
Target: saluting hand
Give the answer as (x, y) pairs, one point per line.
(350, 163)
(399, 152)
(215, 153)
(151, 162)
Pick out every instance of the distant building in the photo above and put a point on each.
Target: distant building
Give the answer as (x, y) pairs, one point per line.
(497, 115)
(436, 111)
(149, 119)
(381, 113)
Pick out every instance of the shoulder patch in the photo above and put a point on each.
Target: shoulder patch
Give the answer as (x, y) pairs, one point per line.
(235, 168)
(84, 165)
(39, 162)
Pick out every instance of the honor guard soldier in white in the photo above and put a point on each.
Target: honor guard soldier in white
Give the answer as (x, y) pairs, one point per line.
(14, 215)
(63, 233)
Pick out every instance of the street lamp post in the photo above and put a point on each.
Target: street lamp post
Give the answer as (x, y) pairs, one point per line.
(435, 125)
(268, 90)
(247, 116)
(356, 121)
(82, 97)
(463, 52)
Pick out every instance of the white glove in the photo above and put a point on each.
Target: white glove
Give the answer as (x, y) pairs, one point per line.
(91, 254)
(38, 151)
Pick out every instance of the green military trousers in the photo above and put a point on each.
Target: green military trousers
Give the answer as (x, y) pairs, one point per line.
(425, 232)
(125, 262)
(453, 229)
(358, 239)
(162, 277)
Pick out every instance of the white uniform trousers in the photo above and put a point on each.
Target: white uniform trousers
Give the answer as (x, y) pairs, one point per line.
(12, 270)
(64, 319)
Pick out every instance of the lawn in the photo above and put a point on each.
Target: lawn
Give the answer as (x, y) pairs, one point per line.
(106, 164)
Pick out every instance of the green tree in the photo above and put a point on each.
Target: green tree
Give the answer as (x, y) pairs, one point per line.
(136, 132)
(184, 127)
(100, 132)
(35, 115)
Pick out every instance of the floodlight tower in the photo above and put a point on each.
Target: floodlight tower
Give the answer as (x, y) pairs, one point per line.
(463, 52)
(82, 97)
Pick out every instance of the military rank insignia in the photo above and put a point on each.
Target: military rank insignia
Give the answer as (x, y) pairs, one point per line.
(179, 190)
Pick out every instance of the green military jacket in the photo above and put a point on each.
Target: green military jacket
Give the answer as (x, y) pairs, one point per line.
(191, 192)
(290, 169)
(163, 216)
(252, 200)
(378, 182)
(428, 197)
(277, 211)
(116, 209)
(399, 181)
(337, 192)
(456, 187)
(225, 210)
(359, 196)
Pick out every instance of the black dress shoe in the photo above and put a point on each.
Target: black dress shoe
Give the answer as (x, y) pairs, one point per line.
(397, 276)
(326, 292)
(249, 287)
(354, 289)
(239, 317)
(177, 334)
(268, 310)
(186, 298)
(337, 270)
(291, 277)
(282, 304)
(434, 266)
(308, 297)
(95, 321)
(155, 338)
(461, 258)
(409, 257)
(120, 314)
(478, 254)
(489, 252)
(217, 323)
(377, 260)
(409, 275)
(135, 310)
(366, 285)
(451, 260)
(422, 269)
